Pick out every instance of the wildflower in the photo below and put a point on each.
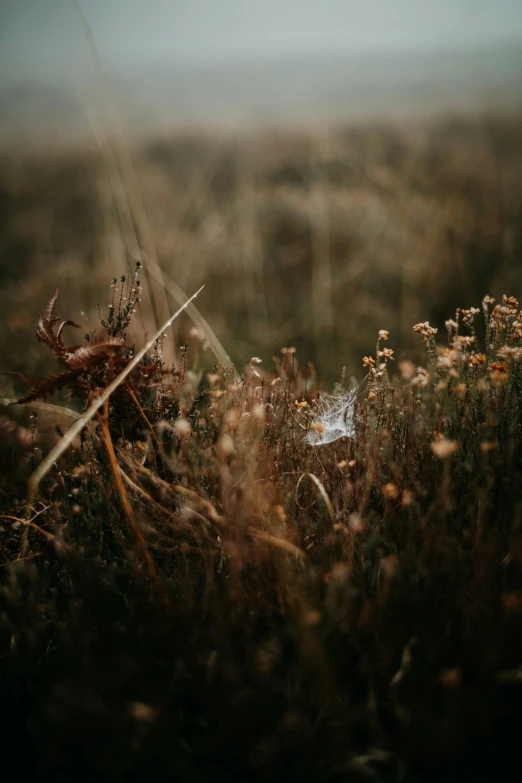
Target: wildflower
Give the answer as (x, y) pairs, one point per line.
(259, 411)
(421, 379)
(463, 342)
(196, 335)
(500, 367)
(386, 353)
(508, 353)
(427, 331)
(368, 361)
(468, 316)
(502, 313)
(182, 427)
(488, 300)
(225, 447)
(451, 325)
(488, 446)
(255, 360)
(407, 498)
(383, 334)
(510, 301)
(232, 418)
(372, 396)
(498, 378)
(407, 369)
(445, 362)
(355, 523)
(443, 448)
(390, 491)
(476, 359)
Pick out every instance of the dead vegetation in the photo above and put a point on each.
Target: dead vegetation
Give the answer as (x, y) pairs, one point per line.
(228, 572)
(214, 592)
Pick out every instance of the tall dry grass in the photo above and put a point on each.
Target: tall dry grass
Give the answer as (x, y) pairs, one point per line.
(196, 591)
(307, 239)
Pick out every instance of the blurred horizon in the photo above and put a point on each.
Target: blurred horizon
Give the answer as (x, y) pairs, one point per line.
(178, 65)
(278, 92)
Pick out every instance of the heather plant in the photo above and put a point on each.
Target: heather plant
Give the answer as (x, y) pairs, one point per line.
(254, 579)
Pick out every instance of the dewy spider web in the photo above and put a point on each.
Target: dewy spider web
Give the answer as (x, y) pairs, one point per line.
(333, 418)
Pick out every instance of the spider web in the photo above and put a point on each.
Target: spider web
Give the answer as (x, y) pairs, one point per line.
(335, 415)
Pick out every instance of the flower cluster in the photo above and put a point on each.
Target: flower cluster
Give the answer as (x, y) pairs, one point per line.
(428, 332)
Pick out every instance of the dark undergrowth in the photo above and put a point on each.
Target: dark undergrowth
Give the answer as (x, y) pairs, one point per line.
(197, 594)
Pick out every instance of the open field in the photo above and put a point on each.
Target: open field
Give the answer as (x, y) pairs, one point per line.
(313, 238)
(201, 586)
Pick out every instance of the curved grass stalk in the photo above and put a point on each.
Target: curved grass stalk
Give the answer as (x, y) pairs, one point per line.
(60, 410)
(179, 296)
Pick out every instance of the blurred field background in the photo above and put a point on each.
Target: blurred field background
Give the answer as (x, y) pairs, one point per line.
(333, 177)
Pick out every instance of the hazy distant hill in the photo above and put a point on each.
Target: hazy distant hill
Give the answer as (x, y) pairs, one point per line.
(269, 92)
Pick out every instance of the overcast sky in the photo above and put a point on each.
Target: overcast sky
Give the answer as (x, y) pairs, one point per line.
(42, 37)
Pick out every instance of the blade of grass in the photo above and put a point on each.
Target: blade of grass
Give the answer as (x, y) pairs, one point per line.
(178, 295)
(147, 250)
(60, 410)
(118, 153)
(124, 498)
(322, 492)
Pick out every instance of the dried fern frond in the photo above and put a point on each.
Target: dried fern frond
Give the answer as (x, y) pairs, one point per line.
(65, 323)
(86, 357)
(42, 387)
(45, 330)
